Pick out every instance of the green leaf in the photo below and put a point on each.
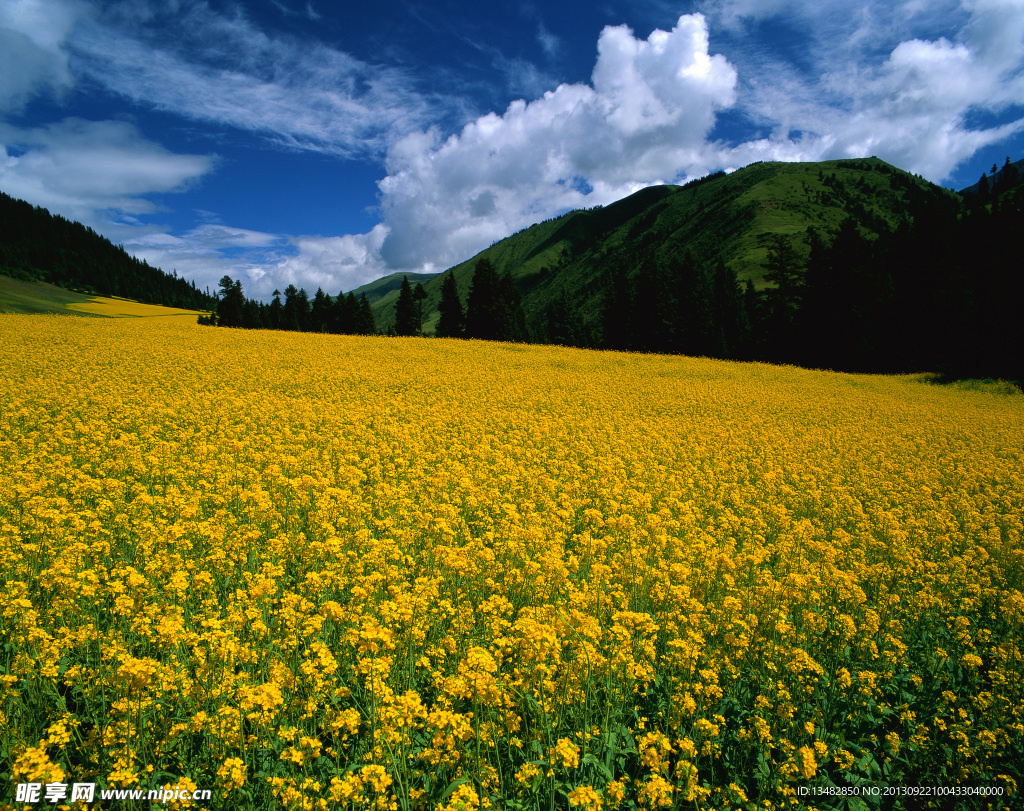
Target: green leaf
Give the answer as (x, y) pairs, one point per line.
(451, 787)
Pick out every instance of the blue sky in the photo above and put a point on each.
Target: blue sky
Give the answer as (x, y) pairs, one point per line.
(327, 144)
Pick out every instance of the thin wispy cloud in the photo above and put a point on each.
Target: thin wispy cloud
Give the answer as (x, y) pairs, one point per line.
(206, 66)
(93, 170)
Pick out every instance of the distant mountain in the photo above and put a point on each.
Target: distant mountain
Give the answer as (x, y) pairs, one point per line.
(729, 217)
(1000, 180)
(381, 287)
(36, 245)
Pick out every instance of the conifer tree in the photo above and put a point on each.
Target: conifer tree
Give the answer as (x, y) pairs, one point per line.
(230, 308)
(452, 317)
(783, 267)
(726, 327)
(419, 295)
(696, 317)
(366, 324)
(290, 311)
(564, 324)
(352, 316)
(406, 322)
(511, 317)
(482, 309)
(319, 315)
(274, 312)
(302, 309)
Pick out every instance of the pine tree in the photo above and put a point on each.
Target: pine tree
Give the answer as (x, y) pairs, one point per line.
(406, 322)
(319, 315)
(783, 267)
(726, 317)
(696, 318)
(302, 310)
(353, 316)
(452, 317)
(231, 307)
(274, 312)
(419, 295)
(366, 325)
(656, 308)
(564, 324)
(251, 315)
(510, 316)
(290, 311)
(482, 309)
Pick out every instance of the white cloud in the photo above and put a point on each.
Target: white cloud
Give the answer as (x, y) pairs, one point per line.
(87, 170)
(644, 119)
(32, 59)
(864, 84)
(262, 261)
(332, 263)
(222, 69)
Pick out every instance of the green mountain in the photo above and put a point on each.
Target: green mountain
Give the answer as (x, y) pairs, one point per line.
(729, 217)
(381, 287)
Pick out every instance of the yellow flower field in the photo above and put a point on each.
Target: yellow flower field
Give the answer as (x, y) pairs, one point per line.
(114, 307)
(314, 572)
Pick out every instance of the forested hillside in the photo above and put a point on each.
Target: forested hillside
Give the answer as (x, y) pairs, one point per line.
(38, 246)
(852, 265)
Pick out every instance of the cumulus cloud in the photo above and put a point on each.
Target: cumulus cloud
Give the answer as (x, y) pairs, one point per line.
(87, 169)
(643, 119)
(263, 261)
(332, 263)
(875, 89)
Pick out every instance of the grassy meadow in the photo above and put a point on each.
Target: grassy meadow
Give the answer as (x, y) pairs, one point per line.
(318, 572)
(19, 296)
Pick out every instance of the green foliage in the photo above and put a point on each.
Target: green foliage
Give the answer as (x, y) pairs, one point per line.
(728, 219)
(406, 318)
(452, 318)
(38, 246)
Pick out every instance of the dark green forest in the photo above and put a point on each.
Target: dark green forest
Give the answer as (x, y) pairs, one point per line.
(38, 246)
(887, 274)
(340, 315)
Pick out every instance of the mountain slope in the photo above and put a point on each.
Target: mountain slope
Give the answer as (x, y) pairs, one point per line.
(379, 288)
(721, 217)
(38, 246)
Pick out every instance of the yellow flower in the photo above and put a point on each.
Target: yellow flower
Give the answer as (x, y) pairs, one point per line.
(565, 753)
(806, 762)
(585, 797)
(232, 774)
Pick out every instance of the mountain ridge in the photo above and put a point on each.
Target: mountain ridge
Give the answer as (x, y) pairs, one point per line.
(721, 216)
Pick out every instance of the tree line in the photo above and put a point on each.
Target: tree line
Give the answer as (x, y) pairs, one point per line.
(343, 314)
(38, 246)
(493, 311)
(938, 292)
(941, 292)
